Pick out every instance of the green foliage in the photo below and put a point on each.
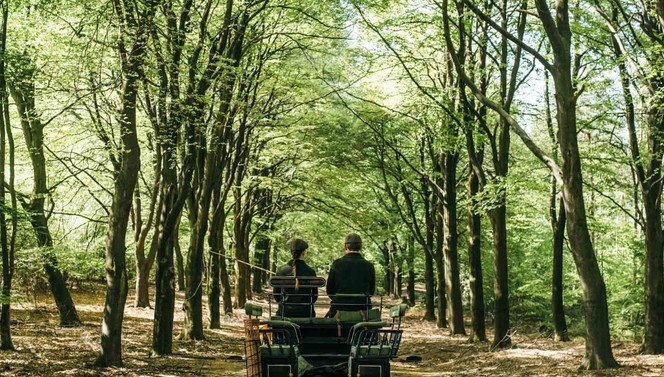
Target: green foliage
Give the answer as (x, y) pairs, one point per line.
(340, 134)
(30, 281)
(84, 265)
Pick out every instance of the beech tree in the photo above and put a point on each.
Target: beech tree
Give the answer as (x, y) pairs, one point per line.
(641, 56)
(559, 35)
(133, 31)
(7, 249)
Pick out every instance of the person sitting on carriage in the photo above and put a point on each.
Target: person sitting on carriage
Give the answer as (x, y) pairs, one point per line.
(296, 302)
(351, 274)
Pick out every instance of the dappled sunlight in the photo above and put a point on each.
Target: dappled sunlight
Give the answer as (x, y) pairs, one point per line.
(532, 353)
(43, 348)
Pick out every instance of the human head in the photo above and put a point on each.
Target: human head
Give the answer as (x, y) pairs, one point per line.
(353, 243)
(297, 247)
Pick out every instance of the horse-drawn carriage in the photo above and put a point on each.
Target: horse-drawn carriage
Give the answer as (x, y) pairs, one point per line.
(355, 343)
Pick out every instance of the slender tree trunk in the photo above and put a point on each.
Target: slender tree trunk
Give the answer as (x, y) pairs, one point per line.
(501, 336)
(429, 273)
(243, 283)
(171, 212)
(162, 330)
(213, 286)
(125, 182)
(142, 299)
(429, 284)
(385, 251)
(475, 263)
(213, 292)
(7, 251)
(439, 259)
(143, 269)
(179, 258)
(397, 263)
(410, 262)
(33, 132)
(116, 269)
(453, 281)
(227, 292)
(193, 303)
(652, 194)
(144, 262)
(598, 342)
(498, 215)
(559, 322)
(648, 175)
(265, 263)
(558, 227)
(261, 248)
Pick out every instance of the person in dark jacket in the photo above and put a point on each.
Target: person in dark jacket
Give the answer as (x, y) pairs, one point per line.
(296, 302)
(351, 274)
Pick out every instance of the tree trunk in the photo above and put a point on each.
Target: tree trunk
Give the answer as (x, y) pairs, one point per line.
(397, 266)
(558, 228)
(144, 262)
(7, 250)
(213, 287)
(475, 263)
(387, 278)
(193, 303)
(439, 260)
(654, 326)
(162, 330)
(648, 175)
(173, 201)
(452, 282)
(559, 322)
(143, 269)
(410, 262)
(265, 263)
(256, 278)
(262, 250)
(501, 336)
(125, 182)
(227, 292)
(598, 342)
(242, 285)
(179, 258)
(441, 302)
(142, 299)
(63, 301)
(429, 286)
(429, 277)
(33, 132)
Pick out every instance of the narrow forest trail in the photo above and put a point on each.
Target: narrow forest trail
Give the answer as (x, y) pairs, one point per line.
(44, 349)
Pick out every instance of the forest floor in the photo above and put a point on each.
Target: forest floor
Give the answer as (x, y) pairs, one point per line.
(45, 349)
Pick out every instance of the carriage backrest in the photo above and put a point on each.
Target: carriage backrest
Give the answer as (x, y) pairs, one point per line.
(398, 311)
(303, 282)
(254, 310)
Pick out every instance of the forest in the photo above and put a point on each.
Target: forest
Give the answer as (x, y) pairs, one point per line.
(501, 159)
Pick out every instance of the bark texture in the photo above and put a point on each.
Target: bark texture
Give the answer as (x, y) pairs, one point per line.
(132, 57)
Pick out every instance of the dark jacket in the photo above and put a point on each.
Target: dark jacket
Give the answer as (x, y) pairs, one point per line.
(296, 302)
(351, 274)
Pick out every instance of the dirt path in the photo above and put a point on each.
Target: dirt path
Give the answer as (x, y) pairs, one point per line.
(44, 349)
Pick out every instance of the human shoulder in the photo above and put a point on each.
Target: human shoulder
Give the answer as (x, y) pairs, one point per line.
(285, 270)
(305, 268)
